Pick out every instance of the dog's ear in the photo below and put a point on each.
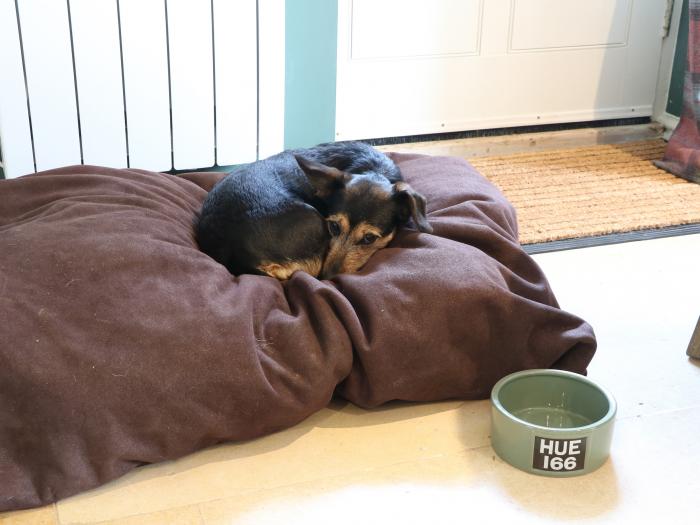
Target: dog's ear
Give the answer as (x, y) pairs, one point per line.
(324, 179)
(411, 205)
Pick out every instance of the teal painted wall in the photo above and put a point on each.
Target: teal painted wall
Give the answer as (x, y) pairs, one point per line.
(311, 28)
(674, 106)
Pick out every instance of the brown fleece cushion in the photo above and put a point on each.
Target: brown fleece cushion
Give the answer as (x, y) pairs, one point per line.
(121, 344)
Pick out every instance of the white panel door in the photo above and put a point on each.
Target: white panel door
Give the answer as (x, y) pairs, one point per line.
(408, 67)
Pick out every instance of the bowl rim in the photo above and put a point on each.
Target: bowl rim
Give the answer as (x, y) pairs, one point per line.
(496, 403)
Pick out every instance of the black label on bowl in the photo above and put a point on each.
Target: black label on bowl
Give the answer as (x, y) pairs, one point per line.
(559, 455)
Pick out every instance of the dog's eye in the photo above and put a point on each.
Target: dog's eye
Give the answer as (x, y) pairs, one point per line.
(334, 228)
(369, 238)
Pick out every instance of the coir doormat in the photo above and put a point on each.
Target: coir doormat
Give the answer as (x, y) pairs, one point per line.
(592, 191)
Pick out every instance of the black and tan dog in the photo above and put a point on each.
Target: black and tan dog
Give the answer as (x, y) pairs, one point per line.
(324, 210)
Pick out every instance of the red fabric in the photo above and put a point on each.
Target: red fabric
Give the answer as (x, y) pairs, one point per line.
(682, 155)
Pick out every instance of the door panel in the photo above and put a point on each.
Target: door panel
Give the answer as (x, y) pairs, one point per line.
(542, 24)
(436, 28)
(418, 67)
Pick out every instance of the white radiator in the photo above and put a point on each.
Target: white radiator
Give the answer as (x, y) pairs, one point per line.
(151, 84)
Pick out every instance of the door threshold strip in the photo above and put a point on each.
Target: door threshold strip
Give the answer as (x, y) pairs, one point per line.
(611, 238)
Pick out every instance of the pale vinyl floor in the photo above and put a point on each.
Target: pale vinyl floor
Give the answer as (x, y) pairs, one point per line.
(432, 463)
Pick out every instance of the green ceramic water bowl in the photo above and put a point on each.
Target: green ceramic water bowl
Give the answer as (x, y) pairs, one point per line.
(552, 422)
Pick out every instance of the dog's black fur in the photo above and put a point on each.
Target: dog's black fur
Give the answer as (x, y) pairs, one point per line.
(323, 210)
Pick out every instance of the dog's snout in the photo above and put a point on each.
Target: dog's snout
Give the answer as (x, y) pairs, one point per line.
(329, 271)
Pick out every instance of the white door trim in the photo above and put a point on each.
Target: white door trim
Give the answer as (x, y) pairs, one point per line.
(668, 51)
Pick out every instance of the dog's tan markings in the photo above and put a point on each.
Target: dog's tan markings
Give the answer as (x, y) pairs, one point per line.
(354, 260)
(336, 252)
(358, 256)
(343, 220)
(362, 229)
(284, 271)
(350, 256)
(312, 266)
(383, 241)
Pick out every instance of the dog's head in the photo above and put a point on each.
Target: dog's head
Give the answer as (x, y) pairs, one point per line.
(363, 212)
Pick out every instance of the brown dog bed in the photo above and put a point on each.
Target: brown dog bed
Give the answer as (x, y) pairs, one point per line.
(121, 344)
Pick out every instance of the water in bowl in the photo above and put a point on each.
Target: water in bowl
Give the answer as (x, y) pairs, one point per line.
(552, 417)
